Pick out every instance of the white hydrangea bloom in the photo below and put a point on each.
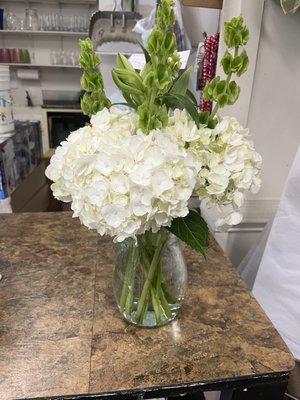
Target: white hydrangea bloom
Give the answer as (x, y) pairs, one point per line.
(121, 181)
(230, 166)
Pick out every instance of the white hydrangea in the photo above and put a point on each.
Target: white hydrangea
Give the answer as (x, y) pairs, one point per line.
(230, 166)
(121, 181)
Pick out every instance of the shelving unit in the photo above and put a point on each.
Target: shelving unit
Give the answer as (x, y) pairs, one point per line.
(89, 2)
(39, 65)
(216, 4)
(42, 33)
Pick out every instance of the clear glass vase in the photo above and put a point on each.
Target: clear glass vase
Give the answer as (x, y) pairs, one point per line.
(150, 279)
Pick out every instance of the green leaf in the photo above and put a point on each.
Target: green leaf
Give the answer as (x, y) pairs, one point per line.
(192, 97)
(181, 84)
(131, 105)
(184, 102)
(192, 230)
(233, 92)
(220, 88)
(146, 54)
(222, 100)
(124, 63)
(226, 62)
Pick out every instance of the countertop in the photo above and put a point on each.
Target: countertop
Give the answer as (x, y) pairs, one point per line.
(61, 333)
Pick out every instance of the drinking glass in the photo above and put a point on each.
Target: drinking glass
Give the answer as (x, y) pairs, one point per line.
(11, 21)
(31, 19)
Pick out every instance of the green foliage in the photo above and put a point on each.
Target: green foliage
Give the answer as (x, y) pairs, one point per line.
(236, 34)
(226, 92)
(91, 81)
(152, 116)
(145, 90)
(161, 69)
(192, 230)
(181, 84)
(165, 17)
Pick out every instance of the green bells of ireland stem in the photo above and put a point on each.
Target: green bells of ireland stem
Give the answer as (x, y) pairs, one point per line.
(226, 92)
(236, 33)
(144, 91)
(94, 98)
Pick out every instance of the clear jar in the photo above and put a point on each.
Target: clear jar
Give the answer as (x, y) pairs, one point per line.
(150, 279)
(31, 19)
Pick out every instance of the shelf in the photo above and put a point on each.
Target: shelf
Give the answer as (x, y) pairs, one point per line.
(39, 65)
(81, 2)
(217, 4)
(42, 33)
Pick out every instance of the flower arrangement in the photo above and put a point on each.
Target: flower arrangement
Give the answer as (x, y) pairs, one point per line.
(130, 173)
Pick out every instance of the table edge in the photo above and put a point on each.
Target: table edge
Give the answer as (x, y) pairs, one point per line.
(177, 389)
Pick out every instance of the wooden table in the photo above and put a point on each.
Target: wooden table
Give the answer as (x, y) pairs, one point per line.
(61, 334)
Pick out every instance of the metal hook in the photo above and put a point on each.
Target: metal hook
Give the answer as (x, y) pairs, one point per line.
(112, 23)
(123, 23)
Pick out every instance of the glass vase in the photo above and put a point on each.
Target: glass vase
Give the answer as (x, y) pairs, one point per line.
(150, 278)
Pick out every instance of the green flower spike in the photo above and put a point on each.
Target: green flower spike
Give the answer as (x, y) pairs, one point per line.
(226, 92)
(94, 98)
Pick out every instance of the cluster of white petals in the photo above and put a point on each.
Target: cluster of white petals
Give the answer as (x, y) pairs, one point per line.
(230, 167)
(122, 182)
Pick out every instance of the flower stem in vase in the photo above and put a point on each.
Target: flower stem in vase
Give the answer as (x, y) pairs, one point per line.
(160, 243)
(127, 290)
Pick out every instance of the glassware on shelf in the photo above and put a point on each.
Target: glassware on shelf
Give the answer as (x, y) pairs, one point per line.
(16, 56)
(31, 19)
(11, 21)
(22, 24)
(63, 23)
(64, 57)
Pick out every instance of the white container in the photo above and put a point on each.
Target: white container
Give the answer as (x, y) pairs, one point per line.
(6, 115)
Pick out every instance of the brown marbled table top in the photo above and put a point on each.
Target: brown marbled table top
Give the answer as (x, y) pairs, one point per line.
(61, 333)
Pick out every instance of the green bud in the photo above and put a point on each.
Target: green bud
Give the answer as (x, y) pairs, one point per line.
(149, 79)
(165, 16)
(226, 63)
(91, 80)
(163, 77)
(155, 41)
(222, 99)
(86, 45)
(219, 89)
(86, 104)
(128, 81)
(236, 33)
(233, 92)
(212, 122)
(123, 63)
(209, 88)
(89, 60)
(203, 117)
(152, 117)
(169, 43)
(244, 63)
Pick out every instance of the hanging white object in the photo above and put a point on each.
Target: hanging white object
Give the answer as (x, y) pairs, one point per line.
(277, 285)
(144, 26)
(138, 60)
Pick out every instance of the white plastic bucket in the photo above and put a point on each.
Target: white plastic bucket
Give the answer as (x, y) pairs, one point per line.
(6, 115)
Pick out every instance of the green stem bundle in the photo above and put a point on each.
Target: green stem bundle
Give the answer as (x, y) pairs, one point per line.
(154, 296)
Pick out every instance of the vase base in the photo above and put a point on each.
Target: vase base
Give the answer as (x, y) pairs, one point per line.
(150, 320)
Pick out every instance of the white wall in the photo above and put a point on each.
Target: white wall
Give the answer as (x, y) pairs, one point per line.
(269, 106)
(274, 114)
